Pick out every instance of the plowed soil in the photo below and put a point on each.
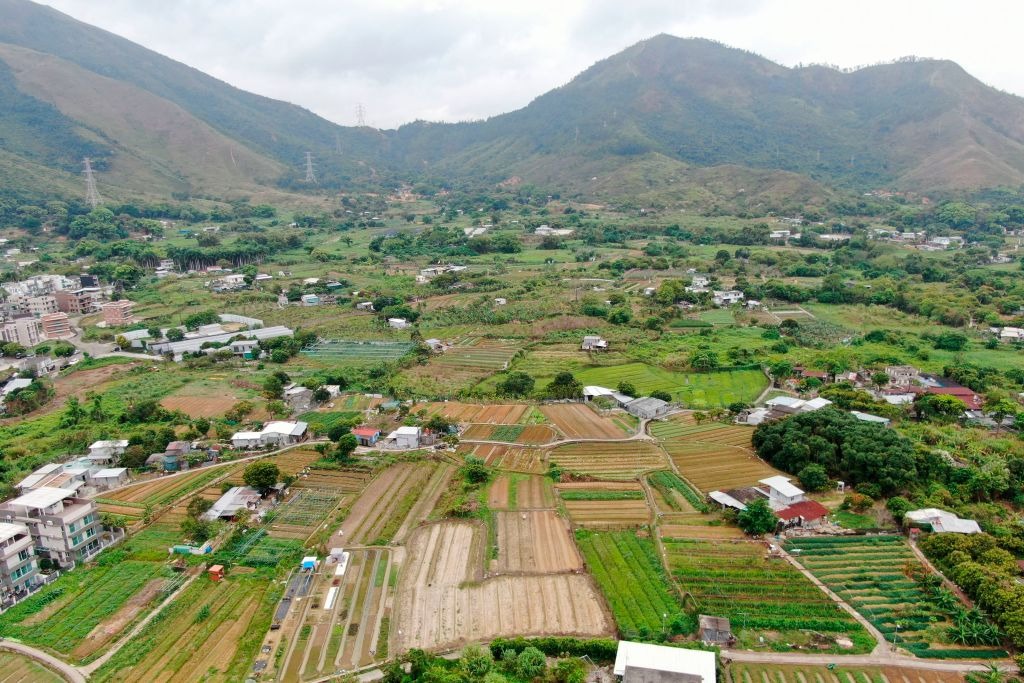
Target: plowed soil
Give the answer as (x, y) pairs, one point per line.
(578, 421)
(535, 541)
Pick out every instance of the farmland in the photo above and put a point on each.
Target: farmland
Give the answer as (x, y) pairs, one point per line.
(604, 505)
(577, 421)
(524, 434)
(460, 366)
(694, 390)
(745, 672)
(443, 599)
(379, 512)
(711, 455)
(871, 574)
(535, 542)
(493, 414)
(515, 491)
(213, 632)
(339, 350)
(506, 457)
(200, 406)
(609, 460)
(304, 511)
(762, 597)
(17, 668)
(630, 575)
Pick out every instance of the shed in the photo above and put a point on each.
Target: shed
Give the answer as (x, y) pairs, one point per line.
(942, 521)
(647, 407)
(216, 572)
(366, 436)
(646, 663)
(714, 630)
(309, 563)
(806, 513)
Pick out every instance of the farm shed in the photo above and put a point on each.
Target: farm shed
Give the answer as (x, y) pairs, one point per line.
(110, 478)
(645, 663)
(807, 513)
(714, 630)
(725, 500)
(404, 437)
(282, 433)
(781, 492)
(244, 440)
(237, 498)
(109, 449)
(592, 342)
(868, 417)
(647, 407)
(398, 323)
(942, 521)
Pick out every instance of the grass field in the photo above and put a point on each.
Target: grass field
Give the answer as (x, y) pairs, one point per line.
(631, 577)
(340, 350)
(870, 573)
(761, 597)
(17, 668)
(694, 390)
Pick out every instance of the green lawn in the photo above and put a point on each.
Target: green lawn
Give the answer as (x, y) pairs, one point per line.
(695, 390)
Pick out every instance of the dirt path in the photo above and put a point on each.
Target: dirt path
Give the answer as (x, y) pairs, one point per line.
(68, 672)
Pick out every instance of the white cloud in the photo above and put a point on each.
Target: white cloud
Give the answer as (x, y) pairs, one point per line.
(457, 60)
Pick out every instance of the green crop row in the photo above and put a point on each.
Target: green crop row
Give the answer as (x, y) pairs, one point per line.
(600, 494)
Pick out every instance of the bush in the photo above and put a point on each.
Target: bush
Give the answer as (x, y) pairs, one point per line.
(813, 477)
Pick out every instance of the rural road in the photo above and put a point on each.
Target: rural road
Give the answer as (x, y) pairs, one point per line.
(859, 660)
(69, 672)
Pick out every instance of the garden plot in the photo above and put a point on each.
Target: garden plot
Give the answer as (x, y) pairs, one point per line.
(506, 457)
(712, 455)
(605, 505)
(212, 632)
(609, 460)
(744, 672)
(347, 480)
(684, 428)
(444, 601)
(871, 574)
(17, 668)
(632, 579)
(697, 526)
(578, 421)
(382, 508)
(483, 356)
(343, 624)
(537, 541)
(762, 597)
(200, 406)
(164, 490)
(524, 434)
(340, 350)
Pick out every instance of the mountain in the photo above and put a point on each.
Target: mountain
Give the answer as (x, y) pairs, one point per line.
(688, 120)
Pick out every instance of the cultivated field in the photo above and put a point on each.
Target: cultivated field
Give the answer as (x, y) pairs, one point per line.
(605, 505)
(516, 491)
(340, 625)
(349, 480)
(304, 511)
(610, 460)
(437, 607)
(870, 573)
(631, 577)
(478, 355)
(712, 455)
(743, 672)
(212, 632)
(506, 457)
(16, 668)
(200, 406)
(357, 351)
(493, 414)
(524, 434)
(733, 579)
(534, 542)
(577, 421)
(381, 509)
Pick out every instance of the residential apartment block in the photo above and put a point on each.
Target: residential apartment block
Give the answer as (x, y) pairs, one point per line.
(118, 313)
(56, 326)
(19, 573)
(21, 329)
(64, 528)
(79, 301)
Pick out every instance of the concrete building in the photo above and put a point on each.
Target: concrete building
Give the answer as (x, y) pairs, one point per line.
(593, 342)
(404, 437)
(56, 326)
(64, 527)
(726, 297)
(22, 329)
(366, 436)
(645, 663)
(902, 375)
(109, 449)
(39, 306)
(398, 323)
(19, 573)
(648, 407)
(275, 434)
(781, 493)
(79, 301)
(118, 313)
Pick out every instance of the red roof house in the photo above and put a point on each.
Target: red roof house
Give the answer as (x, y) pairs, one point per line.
(804, 513)
(972, 400)
(366, 436)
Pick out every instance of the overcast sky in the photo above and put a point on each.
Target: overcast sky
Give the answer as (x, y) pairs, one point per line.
(455, 60)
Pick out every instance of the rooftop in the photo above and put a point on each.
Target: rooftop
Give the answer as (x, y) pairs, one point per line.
(110, 472)
(697, 663)
(808, 509)
(286, 428)
(782, 485)
(42, 497)
(9, 530)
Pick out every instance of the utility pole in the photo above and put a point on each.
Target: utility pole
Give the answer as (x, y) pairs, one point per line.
(360, 115)
(92, 195)
(310, 175)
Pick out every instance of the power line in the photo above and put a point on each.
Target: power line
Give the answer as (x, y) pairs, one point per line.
(360, 115)
(92, 195)
(310, 174)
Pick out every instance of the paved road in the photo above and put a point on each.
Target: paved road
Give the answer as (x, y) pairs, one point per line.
(888, 659)
(69, 672)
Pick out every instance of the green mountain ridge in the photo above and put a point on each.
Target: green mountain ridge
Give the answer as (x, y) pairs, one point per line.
(686, 119)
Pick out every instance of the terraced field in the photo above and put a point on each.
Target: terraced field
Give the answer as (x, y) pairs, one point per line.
(871, 574)
(711, 455)
(577, 421)
(506, 457)
(623, 460)
(528, 435)
(733, 579)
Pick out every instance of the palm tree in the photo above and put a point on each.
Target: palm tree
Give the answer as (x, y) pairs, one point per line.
(990, 675)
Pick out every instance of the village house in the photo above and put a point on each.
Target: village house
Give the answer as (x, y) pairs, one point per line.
(366, 436)
(593, 342)
(726, 297)
(19, 573)
(118, 313)
(64, 528)
(405, 437)
(398, 323)
(781, 493)
(902, 375)
(108, 449)
(808, 514)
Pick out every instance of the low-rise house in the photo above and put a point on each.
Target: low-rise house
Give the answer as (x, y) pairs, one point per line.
(247, 348)
(109, 449)
(701, 282)
(110, 478)
(648, 407)
(714, 630)
(405, 437)
(364, 306)
(593, 342)
(726, 297)
(64, 528)
(299, 398)
(366, 436)
(902, 375)
(781, 492)
(232, 502)
(398, 323)
(310, 300)
(809, 514)
(972, 400)
(275, 434)
(245, 440)
(19, 573)
(785, 404)
(941, 521)
(646, 663)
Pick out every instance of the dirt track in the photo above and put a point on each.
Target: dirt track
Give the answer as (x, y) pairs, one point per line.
(435, 609)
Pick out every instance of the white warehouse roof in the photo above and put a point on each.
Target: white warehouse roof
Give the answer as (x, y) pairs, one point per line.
(674, 660)
(782, 485)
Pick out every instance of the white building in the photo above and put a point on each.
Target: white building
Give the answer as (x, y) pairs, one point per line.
(645, 663)
(398, 323)
(404, 437)
(593, 342)
(18, 568)
(275, 434)
(109, 449)
(942, 521)
(726, 297)
(63, 526)
(781, 493)
(647, 408)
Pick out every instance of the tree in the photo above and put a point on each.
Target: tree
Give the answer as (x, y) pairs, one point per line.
(704, 360)
(197, 506)
(564, 386)
(476, 661)
(781, 371)
(627, 388)
(758, 518)
(516, 384)
(198, 530)
(813, 477)
(531, 663)
(620, 316)
(938, 407)
(346, 445)
(321, 395)
(1001, 408)
(662, 395)
(475, 471)
(261, 475)
(175, 334)
(898, 506)
(879, 379)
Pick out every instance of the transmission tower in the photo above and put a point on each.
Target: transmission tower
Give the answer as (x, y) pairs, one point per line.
(310, 174)
(92, 195)
(360, 115)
